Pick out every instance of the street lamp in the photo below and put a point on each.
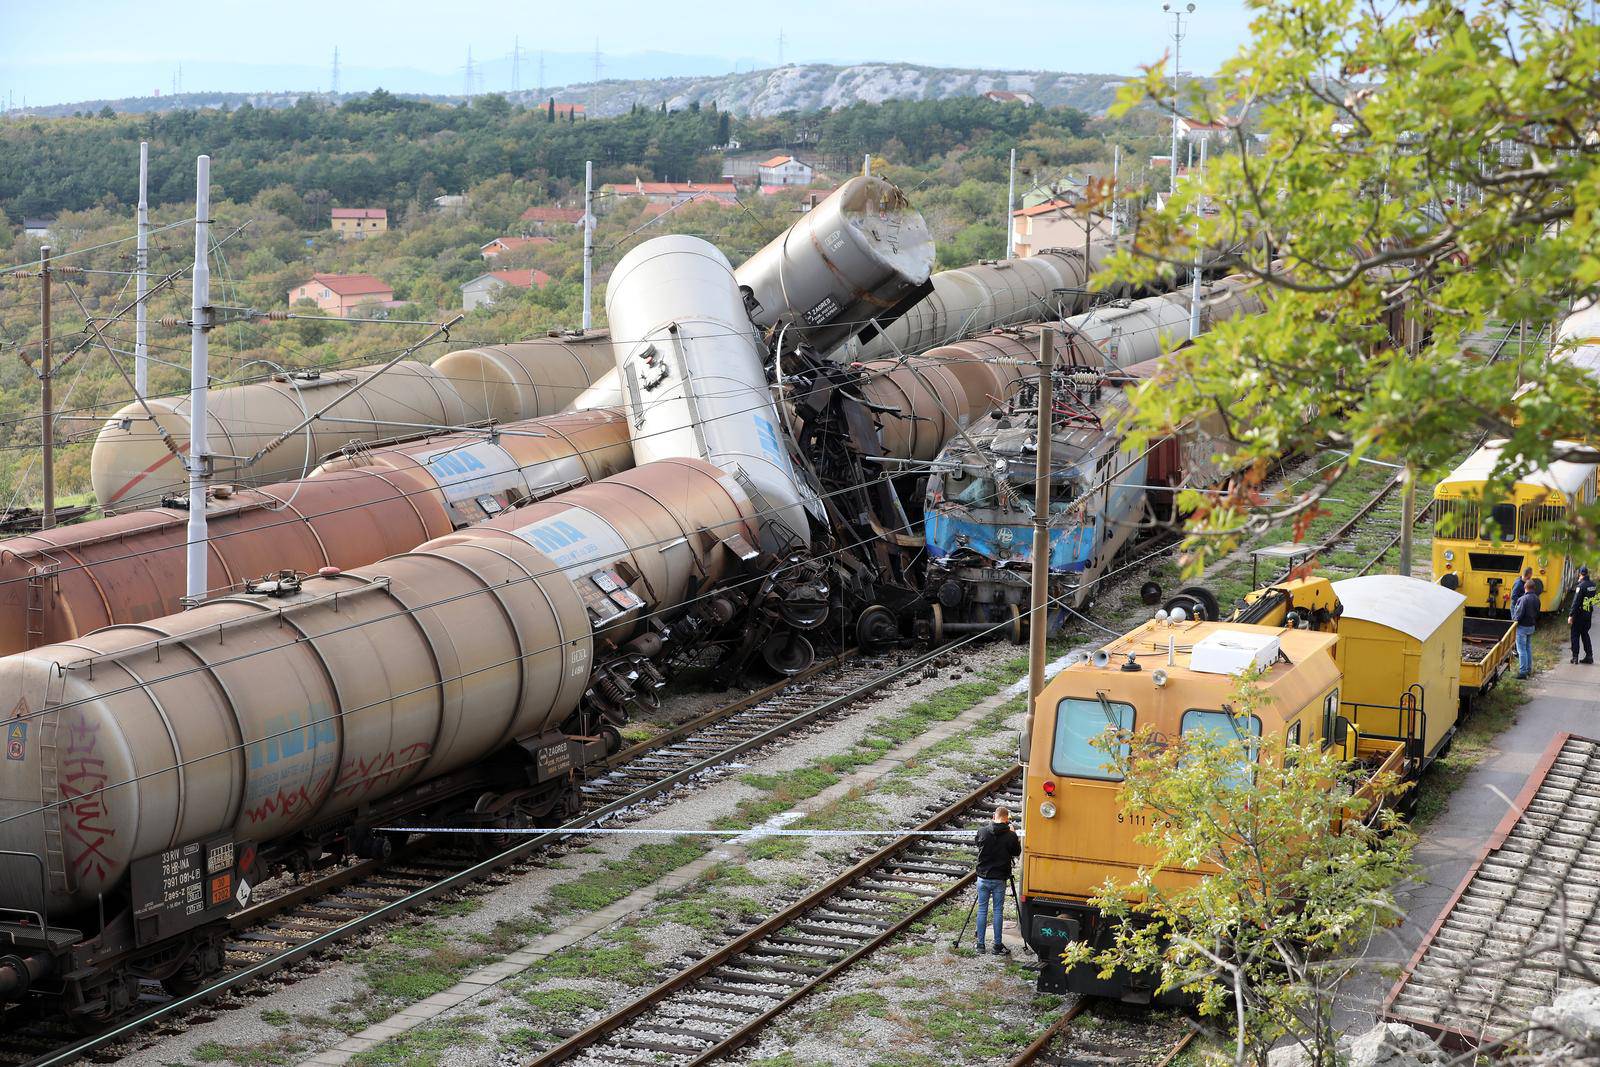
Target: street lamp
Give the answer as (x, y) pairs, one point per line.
(1177, 52)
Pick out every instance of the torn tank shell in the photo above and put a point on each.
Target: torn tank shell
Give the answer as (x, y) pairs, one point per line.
(694, 378)
(265, 715)
(861, 256)
(57, 584)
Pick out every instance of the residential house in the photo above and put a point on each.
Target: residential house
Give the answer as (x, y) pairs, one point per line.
(544, 219)
(343, 294)
(357, 223)
(1054, 224)
(1193, 129)
(501, 245)
(452, 202)
(483, 289)
(672, 193)
(568, 111)
(1005, 96)
(780, 171)
(37, 227)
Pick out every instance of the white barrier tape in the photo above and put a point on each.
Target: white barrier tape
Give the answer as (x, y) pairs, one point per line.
(670, 832)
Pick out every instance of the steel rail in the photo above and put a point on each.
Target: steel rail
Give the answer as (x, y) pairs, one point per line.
(1040, 1047)
(635, 1010)
(387, 910)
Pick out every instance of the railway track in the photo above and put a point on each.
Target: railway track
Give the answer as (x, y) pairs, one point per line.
(281, 940)
(1099, 1035)
(717, 1005)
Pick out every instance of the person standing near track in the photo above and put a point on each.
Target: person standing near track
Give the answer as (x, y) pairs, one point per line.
(1525, 613)
(997, 847)
(1580, 614)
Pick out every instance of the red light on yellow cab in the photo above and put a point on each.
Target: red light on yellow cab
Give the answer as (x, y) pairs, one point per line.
(1049, 789)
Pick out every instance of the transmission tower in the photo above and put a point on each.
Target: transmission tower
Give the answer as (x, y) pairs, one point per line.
(516, 64)
(780, 46)
(471, 74)
(333, 80)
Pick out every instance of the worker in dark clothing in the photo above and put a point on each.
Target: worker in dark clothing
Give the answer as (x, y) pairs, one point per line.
(997, 847)
(1520, 586)
(1525, 613)
(1580, 614)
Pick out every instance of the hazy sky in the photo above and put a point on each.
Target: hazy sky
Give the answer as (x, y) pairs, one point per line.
(66, 50)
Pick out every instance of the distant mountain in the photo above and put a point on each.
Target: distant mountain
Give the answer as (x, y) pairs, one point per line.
(806, 87)
(812, 86)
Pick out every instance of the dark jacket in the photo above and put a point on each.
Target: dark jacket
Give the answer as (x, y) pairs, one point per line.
(1518, 587)
(1580, 614)
(1525, 612)
(997, 847)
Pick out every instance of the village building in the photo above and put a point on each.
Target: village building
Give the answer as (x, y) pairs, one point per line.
(1054, 224)
(781, 171)
(344, 294)
(501, 245)
(484, 289)
(358, 223)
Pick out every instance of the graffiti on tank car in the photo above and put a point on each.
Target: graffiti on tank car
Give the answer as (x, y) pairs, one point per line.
(83, 779)
(287, 802)
(361, 776)
(286, 738)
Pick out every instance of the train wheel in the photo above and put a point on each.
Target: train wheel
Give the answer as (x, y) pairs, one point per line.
(612, 737)
(788, 653)
(1015, 630)
(938, 625)
(876, 628)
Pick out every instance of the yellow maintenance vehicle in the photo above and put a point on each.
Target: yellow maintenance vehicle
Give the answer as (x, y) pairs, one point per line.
(1371, 664)
(1177, 676)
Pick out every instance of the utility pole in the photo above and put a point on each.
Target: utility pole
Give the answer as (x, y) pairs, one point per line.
(1194, 295)
(47, 414)
(199, 460)
(141, 280)
(1116, 162)
(866, 164)
(588, 241)
(1038, 609)
(1011, 208)
(1408, 475)
(1177, 54)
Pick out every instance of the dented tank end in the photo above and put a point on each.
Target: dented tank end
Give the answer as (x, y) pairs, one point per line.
(694, 377)
(863, 254)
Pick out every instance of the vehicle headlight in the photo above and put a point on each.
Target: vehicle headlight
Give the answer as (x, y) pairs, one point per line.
(1048, 809)
(1449, 556)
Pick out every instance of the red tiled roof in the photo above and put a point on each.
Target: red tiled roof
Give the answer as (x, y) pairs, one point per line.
(1046, 208)
(553, 214)
(511, 244)
(351, 284)
(360, 213)
(776, 161)
(522, 279)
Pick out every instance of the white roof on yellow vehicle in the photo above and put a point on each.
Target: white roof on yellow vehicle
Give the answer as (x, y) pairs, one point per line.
(1566, 476)
(1410, 605)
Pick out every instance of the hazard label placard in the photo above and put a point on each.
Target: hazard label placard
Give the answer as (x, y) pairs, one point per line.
(16, 740)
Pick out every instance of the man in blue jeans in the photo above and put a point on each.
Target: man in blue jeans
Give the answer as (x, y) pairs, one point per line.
(1525, 613)
(997, 847)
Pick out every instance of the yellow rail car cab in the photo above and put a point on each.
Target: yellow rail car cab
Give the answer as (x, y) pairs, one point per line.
(1400, 655)
(1469, 560)
(1175, 679)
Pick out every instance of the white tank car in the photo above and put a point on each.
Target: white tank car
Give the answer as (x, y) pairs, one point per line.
(863, 253)
(694, 380)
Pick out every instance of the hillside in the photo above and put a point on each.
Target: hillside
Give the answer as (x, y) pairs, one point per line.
(757, 93)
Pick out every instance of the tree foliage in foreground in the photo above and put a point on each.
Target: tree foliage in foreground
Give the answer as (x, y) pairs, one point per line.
(1413, 151)
(1261, 943)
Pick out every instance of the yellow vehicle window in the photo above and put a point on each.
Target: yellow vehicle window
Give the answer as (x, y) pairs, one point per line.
(1226, 729)
(1079, 723)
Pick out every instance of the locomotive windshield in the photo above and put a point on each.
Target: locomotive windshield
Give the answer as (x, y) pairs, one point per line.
(1079, 724)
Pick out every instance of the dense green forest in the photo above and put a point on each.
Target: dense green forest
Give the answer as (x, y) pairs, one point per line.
(276, 174)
